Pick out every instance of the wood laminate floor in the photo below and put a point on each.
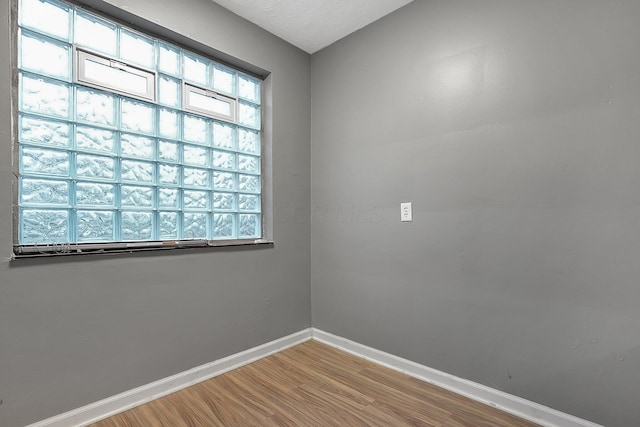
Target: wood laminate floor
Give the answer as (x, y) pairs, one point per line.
(313, 384)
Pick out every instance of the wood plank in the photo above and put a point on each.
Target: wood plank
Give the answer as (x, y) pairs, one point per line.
(313, 384)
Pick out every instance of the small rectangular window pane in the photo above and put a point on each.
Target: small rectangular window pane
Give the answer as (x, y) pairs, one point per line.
(42, 161)
(249, 88)
(95, 33)
(169, 125)
(95, 226)
(169, 91)
(95, 194)
(137, 116)
(249, 115)
(249, 225)
(93, 139)
(111, 74)
(169, 59)
(194, 225)
(168, 225)
(168, 198)
(95, 167)
(95, 107)
(44, 192)
(44, 96)
(137, 172)
(223, 226)
(195, 69)
(44, 56)
(224, 80)
(40, 226)
(224, 201)
(137, 225)
(137, 146)
(136, 197)
(137, 49)
(45, 17)
(194, 129)
(47, 132)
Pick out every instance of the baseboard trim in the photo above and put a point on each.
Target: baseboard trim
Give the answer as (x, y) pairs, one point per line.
(506, 402)
(129, 399)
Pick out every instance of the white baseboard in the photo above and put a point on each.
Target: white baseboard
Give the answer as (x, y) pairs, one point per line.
(121, 402)
(512, 404)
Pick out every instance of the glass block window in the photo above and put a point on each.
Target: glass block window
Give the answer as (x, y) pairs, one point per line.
(125, 137)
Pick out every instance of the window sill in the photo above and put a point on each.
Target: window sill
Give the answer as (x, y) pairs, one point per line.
(83, 249)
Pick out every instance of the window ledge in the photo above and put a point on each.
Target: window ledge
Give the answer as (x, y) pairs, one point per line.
(79, 249)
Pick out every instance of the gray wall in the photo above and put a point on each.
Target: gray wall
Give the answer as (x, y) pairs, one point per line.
(76, 331)
(513, 127)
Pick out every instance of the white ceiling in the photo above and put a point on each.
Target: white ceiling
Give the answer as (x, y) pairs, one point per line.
(312, 24)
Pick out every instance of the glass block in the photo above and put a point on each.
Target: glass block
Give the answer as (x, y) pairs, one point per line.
(168, 126)
(44, 96)
(223, 135)
(95, 33)
(168, 225)
(195, 178)
(44, 132)
(195, 199)
(195, 68)
(137, 225)
(249, 89)
(224, 181)
(224, 160)
(45, 57)
(137, 49)
(249, 183)
(95, 226)
(249, 141)
(169, 198)
(42, 161)
(169, 59)
(137, 171)
(44, 192)
(194, 226)
(95, 107)
(137, 116)
(249, 225)
(97, 167)
(248, 163)
(249, 202)
(223, 226)
(169, 91)
(136, 197)
(45, 17)
(92, 139)
(169, 174)
(224, 201)
(39, 226)
(137, 146)
(95, 194)
(224, 80)
(194, 155)
(249, 115)
(168, 151)
(195, 129)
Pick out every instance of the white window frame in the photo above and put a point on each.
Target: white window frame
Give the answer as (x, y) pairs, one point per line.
(80, 58)
(188, 89)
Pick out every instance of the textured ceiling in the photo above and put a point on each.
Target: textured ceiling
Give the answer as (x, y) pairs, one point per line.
(312, 24)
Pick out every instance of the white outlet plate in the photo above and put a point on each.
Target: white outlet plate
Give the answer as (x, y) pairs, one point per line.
(406, 212)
